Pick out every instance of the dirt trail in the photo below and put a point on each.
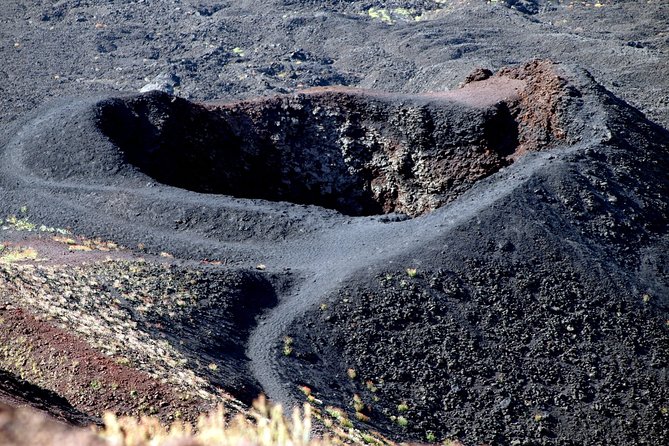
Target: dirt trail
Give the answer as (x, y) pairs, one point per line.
(327, 260)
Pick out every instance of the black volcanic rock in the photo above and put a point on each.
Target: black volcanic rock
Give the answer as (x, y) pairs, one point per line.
(541, 318)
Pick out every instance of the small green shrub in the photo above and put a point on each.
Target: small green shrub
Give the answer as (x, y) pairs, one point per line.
(287, 346)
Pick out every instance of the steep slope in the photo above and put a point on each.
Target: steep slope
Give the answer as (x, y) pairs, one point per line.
(541, 316)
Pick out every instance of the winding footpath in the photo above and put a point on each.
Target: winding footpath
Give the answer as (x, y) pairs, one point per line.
(332, 256)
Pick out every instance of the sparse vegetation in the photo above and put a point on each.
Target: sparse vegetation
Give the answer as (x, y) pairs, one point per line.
(265, 426)
(362, 417)
(358, 404)
(391, 16)
(24, 224)
(306, 390)
(16, 254)
(20, 224)
(64, 239)
(381, 14)
(401, 421)
(471, 326)
(287, 346)
(98, 284)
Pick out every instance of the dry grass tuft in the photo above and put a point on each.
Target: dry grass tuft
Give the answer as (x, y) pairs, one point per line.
(264, 426)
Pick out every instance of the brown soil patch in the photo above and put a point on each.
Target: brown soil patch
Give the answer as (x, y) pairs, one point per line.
(53, 359)
(51, 368)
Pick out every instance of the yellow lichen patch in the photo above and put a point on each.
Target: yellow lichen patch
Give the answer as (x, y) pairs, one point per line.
(65, 240)
(80, 248)
(403, 12)
(23, 224)
(380, 14)
(20, 224)
(86, 245)
(394, 15)
(17, 254)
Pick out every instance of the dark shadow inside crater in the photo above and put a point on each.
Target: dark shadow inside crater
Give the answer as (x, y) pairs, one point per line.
(360, 153)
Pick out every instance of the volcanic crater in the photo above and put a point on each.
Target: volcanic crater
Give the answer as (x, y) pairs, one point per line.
(360, 152)
(165, 252)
